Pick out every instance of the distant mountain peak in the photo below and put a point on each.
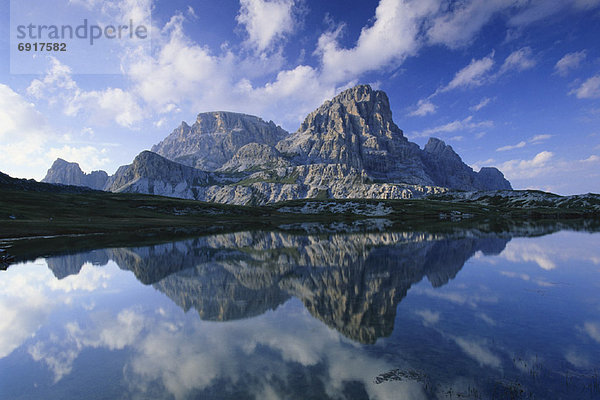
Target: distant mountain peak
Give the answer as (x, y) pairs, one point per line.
(69, 173)
(215, 138)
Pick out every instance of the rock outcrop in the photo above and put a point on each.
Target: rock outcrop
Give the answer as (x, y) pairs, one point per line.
(68, 173)
(215, 138)
(356, 129)
(152, 174)
(255, 157)
(446, 169)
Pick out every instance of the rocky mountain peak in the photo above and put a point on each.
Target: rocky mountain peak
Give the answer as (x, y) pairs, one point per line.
(356, 129)
(359, 109)
(215, 137)
(68, 173)
(153, 174)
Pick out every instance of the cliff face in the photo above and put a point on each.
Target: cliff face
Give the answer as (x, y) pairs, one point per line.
(446, 169)
(349, 147)
(67, 173)
(356, 129)
(152, 174)
(215, 138)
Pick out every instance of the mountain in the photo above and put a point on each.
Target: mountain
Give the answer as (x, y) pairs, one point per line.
(215, 137)
(447, 169)
(356, 129)
(349, 147)
(152, 174)
(68, 173)
(9, 183)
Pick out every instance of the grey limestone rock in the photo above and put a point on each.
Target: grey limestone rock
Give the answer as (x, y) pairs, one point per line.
(215, 138)
(67, 173)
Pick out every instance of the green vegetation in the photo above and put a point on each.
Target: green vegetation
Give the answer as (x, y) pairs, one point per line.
(34, 224)
(138, 217)
(271, 178)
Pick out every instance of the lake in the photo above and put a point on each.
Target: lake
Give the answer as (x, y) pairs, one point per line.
(269, 315)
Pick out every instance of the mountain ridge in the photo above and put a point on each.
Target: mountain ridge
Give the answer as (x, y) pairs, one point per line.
(349, 147)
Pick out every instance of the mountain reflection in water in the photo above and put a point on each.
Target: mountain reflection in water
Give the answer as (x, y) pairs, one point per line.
(388, 315)
(353, 283)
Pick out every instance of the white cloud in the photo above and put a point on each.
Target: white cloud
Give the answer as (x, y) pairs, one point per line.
(100, 106)
(527, 168)
(579, 360)
(534, 11)
(516, 146)
(539, 138)
(570, 62)
(527, 251)
(479, 352)
(429, 317)
(590, 89)
(266, 21)
(484, 102)
(394, 35)
(518, 60)
(111, 103)
(460, 22)
(458, 125)
(29, 145)
(553, 174)
(593, 330)
(459, 26)
(474, 74)
(534, 140)
(424, 107)
(24, 305)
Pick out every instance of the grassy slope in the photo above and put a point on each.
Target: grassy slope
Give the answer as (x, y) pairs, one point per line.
(46, 213)
(86, 221)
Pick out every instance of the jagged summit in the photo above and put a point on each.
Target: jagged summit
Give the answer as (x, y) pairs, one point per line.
(153, 174)
(215, 137)
(370, 108)
(349, 147)
(356, 129)
(447, 169)
(69, 173)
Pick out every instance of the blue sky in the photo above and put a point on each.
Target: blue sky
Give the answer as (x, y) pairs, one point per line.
(508, 83)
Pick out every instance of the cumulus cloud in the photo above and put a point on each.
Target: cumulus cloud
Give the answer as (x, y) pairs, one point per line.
(29, 144)
(569, 62)
(459, 26)
(111, 103)
(424, 107)
(393, 36)
(534, 140)
(518, 60)
(527, 168)
(592, 329)
(590, 89)
(527, 251)
(429, 317)
(484, 102)
(266, 21)
(460, 22)
(554, 174)
(466, 124)
(479, 352)
(516, 146)
(539, 138)
(474, 74)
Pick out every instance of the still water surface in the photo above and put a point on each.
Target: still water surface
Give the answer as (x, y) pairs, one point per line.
(271, 315)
